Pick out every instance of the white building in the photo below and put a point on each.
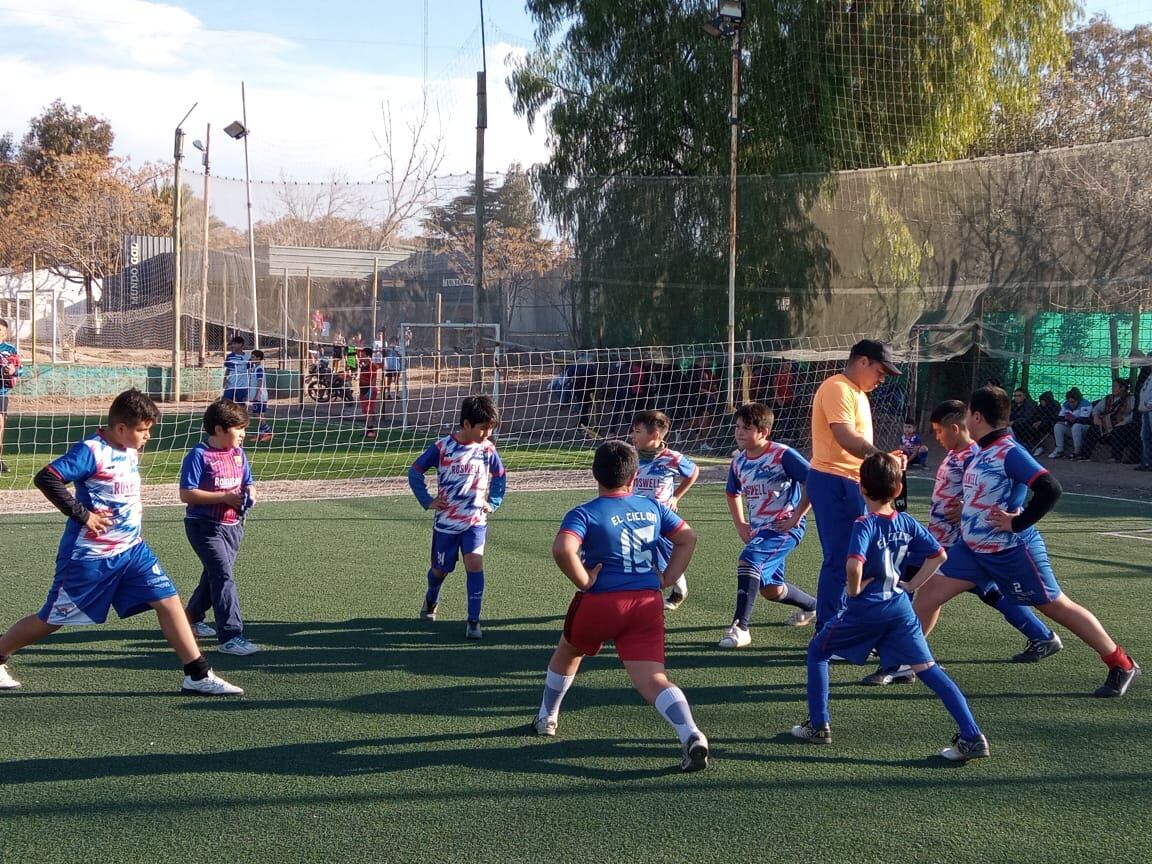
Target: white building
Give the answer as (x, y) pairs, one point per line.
(59, 301)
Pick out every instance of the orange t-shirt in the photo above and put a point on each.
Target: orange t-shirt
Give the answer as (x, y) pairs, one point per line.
(839, 401)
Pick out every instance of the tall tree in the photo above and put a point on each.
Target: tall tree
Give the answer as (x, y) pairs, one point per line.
(637, 90)
(63, 131)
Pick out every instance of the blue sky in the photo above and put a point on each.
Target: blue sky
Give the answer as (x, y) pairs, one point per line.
(317, 75)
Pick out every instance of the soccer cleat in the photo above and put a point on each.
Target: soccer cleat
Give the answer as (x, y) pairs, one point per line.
(1118, 682)
(473, 631)
(673, 601)
(812, 734)
(1037, 649)
(238, 646)
(202, 630)
(210, 685)
(735, 637)
(963, 749)
(883, 677)
(801, 618)
(7, 682)
(545, 726)
(3, 467)
(428, 611)
(695, 751)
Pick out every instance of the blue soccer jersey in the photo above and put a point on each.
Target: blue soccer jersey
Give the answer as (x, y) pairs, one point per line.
(998, 476)
(621, 532)
(107, 481)
(948, 492)
(236, 373)
(770, 483)
(883, 542)
(658, 477)
(469, 476)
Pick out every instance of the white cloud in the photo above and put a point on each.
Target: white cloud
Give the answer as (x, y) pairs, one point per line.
(142, 65)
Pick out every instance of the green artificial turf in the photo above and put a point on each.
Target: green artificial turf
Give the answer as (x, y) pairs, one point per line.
(368, 735)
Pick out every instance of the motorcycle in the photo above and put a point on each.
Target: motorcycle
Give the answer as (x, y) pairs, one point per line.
(323, 384)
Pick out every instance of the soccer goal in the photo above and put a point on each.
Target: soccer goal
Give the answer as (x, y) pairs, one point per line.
(409, 346)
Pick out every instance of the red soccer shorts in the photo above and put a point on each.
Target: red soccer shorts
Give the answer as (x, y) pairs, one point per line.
(633, 620)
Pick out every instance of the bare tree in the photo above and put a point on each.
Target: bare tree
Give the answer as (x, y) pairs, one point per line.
(410, 158)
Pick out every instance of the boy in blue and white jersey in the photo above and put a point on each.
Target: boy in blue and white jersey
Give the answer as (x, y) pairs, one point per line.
(236, 378)
(471, 484)
(1006, 492)
(607, 547)
(103, 563)
(944, 524)
(664, 475)
(878, 615)
(10, 370)
(258, 393)
(772, 478)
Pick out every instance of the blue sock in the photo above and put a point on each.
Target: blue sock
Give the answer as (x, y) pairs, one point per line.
(1024, 620)
(475, 594)
(938, 682)
(432, 597)
(817, 687)
(797, 597)
(747, 587)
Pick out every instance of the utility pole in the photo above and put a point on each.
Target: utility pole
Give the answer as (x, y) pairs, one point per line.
(251, 236)
(478, 232)
(203, 359)
(177, 263)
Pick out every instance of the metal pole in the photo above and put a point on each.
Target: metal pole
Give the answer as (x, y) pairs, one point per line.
(478, 239)
(204, 262)
(284, 352)
(439, 319)
(375, 297)
(224, 309)
(251, 236)
(35, 311)
(177, 264)
(734, 123)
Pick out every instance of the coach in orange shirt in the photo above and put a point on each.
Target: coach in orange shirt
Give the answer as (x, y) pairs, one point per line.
(841, 440)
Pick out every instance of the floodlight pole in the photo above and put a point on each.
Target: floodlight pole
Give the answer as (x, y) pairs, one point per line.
(734, 123)
(478, 238)
(251, 236)
(203, 359)
(177, 283)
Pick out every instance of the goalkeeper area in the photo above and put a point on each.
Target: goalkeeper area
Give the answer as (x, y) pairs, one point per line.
(368, 733)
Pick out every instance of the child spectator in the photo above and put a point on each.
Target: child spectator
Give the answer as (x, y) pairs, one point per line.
(103, 563)
(1075, 417)
(368, 375)
(607, 547)
(216, 484)
(259, 392)
(772, 477)
(10, 370)
(663, 475)
(878, 614)
(471, 484)
(236, 380)
(1002, 548)
(912, 446)
(392, 369)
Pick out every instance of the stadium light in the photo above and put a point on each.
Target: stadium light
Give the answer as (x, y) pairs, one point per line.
(239, 130)
(203, 147)
(727, 25)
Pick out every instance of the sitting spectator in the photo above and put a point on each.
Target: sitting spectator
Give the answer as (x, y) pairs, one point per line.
(1025, 412)
(1113, 421)
(1075, 417)
(912, 446)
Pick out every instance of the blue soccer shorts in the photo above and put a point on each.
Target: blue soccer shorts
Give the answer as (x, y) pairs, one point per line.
(891, 627)
(1021, 573)
(84, 590)
(767, 551)
(446, 547)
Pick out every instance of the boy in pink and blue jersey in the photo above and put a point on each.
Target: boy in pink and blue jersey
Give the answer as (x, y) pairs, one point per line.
(878, 615)
(103, 562)
(471, 483)
(772, 478)
(1006, 492)
(216, 484)
(664, 475)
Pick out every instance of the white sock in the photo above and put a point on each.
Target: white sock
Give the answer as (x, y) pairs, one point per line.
(672, 704)
(555, 686)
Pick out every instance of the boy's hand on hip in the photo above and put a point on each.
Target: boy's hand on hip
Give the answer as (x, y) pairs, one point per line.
(98, 522)
(1002, 519)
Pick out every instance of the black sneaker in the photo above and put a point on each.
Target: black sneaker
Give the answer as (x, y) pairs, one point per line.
(673, 601)
(3, 467)
(963, 749)
(1037, 649)
(694, 753)
(1117, 682)
(883, 677)
(428, 611)
(812, 734)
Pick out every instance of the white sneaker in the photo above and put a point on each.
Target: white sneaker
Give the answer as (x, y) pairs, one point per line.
(1055, 454)
(239, 646)
(202, 630)
(545, 726)
(694, 753)
(801, 618)
(1038, 450)
(472, 630)
(735, 637)
(209, 686)
(7, 682)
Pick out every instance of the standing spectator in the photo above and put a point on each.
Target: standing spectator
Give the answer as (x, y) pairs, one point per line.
(1075, 417)
(10, 370)
(236, 372)
(1144, 409)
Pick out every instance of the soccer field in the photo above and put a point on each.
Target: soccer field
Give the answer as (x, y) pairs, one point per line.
(368, 735)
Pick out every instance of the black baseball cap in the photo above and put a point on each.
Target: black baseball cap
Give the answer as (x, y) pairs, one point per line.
(881, 352)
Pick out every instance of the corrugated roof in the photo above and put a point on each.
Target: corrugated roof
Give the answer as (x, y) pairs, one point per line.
(325, 263)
